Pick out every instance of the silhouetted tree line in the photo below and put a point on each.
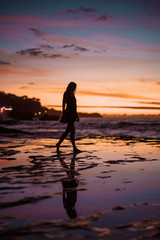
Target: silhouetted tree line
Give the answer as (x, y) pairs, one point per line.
(22, 104)
(84, 115)
(25, 108)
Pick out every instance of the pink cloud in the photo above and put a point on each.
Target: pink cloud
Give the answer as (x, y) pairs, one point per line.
(24, 73)
(38, 21)
(35, 21)
(115, 39)
(137, 45)
(13, 33)
(87, 12)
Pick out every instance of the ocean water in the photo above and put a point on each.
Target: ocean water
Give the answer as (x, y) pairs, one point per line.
(136, 127)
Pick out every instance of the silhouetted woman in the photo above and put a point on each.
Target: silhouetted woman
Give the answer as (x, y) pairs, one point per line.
(69, 115)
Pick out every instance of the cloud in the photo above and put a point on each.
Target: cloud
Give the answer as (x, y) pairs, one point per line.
(31, 52)
(152, 103)
(47, 51)
(114, 95)
(24, 87)
(46, 47)
(36, 32)
(68, 46)
(147, 80)
(104, 94)
(82, 10)
(156, 108)
(73, 42)
(72, 11)
(31, 20)
(123, 107)
(76, 48)
(66, 41)
(25, 73)
(16, 24)
(151, 18)
(38, 52)
(40, 34)
(88, 12)
(104, 17)
(31, 83)
(136, 45)
(81, 49)
(4, 63)
(100, 41)
(149, 49)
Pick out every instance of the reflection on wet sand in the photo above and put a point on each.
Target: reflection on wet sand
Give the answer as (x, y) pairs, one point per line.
(104, 186)
(69, 184)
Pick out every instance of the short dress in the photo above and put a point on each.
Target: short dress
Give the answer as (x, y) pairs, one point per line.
(70, 113)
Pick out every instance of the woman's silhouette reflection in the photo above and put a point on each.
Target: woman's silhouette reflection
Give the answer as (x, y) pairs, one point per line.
(69, 184)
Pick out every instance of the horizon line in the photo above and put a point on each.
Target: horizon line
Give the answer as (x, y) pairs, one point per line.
(130, 107)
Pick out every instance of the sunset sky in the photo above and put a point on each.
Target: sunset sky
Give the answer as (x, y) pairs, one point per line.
(110, 48)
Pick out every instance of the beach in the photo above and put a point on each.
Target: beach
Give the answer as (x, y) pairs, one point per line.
(111, 190)
(86, 72)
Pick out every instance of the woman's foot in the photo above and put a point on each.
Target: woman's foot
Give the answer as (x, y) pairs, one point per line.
(76, 150)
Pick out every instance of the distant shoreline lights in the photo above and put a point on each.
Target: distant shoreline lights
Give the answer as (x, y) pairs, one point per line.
(4, 108)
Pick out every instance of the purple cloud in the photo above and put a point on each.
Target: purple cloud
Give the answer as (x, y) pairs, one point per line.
(81, 49)
(37, 52)
(31, 52)
(68, 46)
(72, 11)
(46, 47)
(83, 10)
(87, 10)
(88, 13)
(36, 32)
(104, 17)
(76, 48)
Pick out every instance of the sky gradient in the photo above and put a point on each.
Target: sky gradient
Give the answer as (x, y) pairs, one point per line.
(110, 48)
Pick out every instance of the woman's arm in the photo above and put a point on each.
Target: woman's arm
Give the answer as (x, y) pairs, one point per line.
(64, 102)
(77, 117)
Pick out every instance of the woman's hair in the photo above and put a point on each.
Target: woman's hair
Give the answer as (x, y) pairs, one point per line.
(71, 87)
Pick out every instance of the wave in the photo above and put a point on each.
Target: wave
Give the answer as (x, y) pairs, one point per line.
(88, 127)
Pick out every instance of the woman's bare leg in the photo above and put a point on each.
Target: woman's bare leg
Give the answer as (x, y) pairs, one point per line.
(72, 138)
(72, 133)
(64, 135)
(70, 128)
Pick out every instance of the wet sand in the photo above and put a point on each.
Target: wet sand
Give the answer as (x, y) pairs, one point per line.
(111, 190)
